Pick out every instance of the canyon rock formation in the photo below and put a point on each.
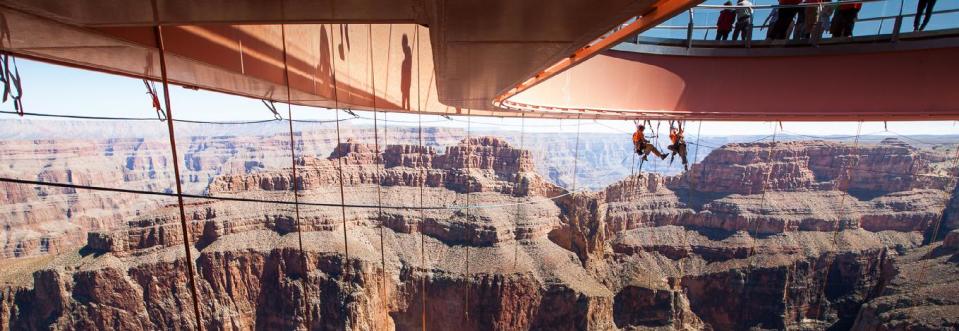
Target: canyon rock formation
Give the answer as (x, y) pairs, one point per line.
(797, 235)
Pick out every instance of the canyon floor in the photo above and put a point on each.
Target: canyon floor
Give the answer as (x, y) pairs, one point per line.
(798, 235)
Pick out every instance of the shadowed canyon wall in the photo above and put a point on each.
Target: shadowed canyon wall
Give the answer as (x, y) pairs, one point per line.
(813, 235)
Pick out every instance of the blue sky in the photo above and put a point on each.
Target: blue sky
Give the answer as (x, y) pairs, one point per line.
(704, 17)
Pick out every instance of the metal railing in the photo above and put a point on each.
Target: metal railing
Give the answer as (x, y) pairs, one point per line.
(808, 37)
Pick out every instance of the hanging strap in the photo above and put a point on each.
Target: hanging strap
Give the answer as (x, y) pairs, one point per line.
(152, 91)
(272, 107)
(12, 87)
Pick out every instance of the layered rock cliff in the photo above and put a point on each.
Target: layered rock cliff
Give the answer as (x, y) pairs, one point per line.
(797, 245)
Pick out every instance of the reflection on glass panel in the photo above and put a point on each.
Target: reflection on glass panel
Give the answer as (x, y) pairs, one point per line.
(529, 214)
(807, 24)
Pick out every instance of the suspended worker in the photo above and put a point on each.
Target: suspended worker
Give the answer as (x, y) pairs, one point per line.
(643, 147)
(678, 145)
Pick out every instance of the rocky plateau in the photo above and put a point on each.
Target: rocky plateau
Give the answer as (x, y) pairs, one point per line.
(810, 235)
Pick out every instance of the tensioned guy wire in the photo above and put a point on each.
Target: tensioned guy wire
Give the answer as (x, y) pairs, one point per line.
(422, 181)
(294, 183)
(339, 169)
(158, 34)
(111, 118)
(469, 153)
(378, 159)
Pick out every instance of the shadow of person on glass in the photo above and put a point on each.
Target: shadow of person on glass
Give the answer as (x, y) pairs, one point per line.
(344, 38)
(406, 74)
(324, 67)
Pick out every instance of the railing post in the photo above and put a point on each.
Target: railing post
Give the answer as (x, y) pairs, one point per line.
(896, 27)
(817, 29)
(689, 30)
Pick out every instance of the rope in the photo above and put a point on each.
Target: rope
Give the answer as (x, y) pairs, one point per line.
(752, 249)
(154, 100)
(935, 230)
(422, 181)
(768, 174)
(339, 169)
(12, 83)
(378, 160)
(215, 198)
(575, 158)
(835, 237)
(469, 152)
(848, 171)
(272, 106)
(108, 118)
(522, 135)
(576, 150)
(632, 174)
(158, 34)
(293, 182)
(402, 121)
(689, 180)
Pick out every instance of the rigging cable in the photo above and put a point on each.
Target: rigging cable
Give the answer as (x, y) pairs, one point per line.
(935, 230)
(632, 175)
(339, 169)
(692, 187)
(110, 118)
(848, 177)
(154, 100)
(575, 158)
(294, 183)
(278, 202)
(576, 150)
(206, 197)
(12, 83)
(469, 154)
(185, 231)
(762, 207)
(522, 134)
(842, 209)
(378, 159)
(689, 182)
(422, 180)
